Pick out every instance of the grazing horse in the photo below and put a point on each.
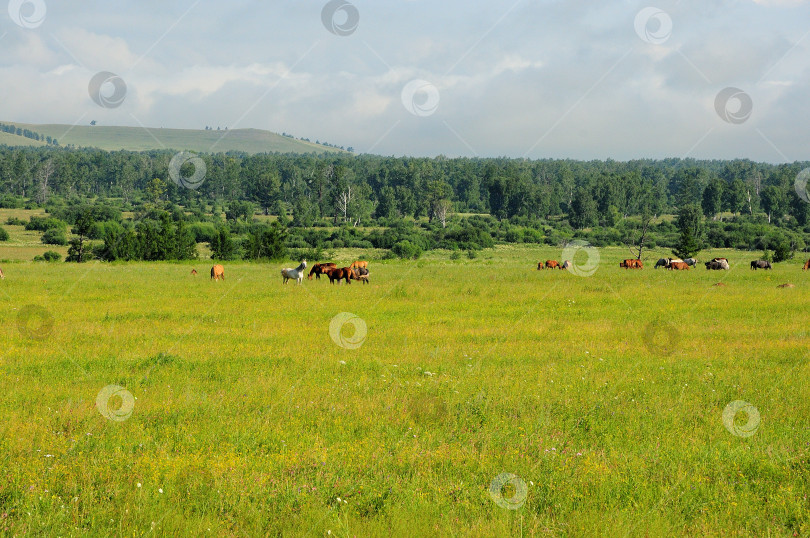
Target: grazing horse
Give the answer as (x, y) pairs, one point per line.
(319, 269)
(194, 272)
(360, 274)
(359, 263)
(631, 264)
(761, 264)
(663, 262)
(805, 268)
(540, 266)
(690, 262)
(218, 272)
(1, 274)
(551, 264)
(717, 265)
(339, 274)
(296, 274)
(566, 265)
(678, 266)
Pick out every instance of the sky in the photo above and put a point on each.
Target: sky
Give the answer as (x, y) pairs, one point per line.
(577, 79)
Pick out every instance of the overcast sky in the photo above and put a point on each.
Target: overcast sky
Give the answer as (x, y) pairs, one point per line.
(534, 78)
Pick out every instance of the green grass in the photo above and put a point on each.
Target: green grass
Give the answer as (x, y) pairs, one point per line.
(8, 139)
(603, 394)
(143, 139)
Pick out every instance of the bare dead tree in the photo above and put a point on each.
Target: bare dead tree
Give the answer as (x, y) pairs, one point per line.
(637, 246)
(344, 200)
(44, 175)
(441, 210)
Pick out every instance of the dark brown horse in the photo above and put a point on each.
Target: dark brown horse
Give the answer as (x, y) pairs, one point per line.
(320, 269)
(339, 274)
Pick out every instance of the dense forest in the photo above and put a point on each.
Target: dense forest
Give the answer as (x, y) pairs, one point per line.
(404, 205)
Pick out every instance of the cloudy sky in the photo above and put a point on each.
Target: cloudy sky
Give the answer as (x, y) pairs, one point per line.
(527, 78)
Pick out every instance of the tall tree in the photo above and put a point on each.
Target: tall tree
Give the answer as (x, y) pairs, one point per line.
(690, 225)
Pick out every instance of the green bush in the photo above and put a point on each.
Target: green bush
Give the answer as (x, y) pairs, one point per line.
(54, 236)
(15, 221)
(406, 250)
(3, 234)
(204, 232)
(42, 224)
(49, 256)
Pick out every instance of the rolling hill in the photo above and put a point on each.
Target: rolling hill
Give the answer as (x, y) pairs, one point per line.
(143, 139)
(8, 139)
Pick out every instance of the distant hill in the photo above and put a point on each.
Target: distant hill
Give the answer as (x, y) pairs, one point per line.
(140, 139)
(8, 139)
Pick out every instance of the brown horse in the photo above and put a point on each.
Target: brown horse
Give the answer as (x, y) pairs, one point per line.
(320, 269)
(805, 268)
(552, 264)
(540, 266)
(339, 274)
(218, 272)
(359, 263)
(194, 272)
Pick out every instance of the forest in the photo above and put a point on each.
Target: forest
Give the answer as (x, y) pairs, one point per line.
(271, 206)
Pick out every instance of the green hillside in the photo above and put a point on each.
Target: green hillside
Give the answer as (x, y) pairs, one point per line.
(7, 139)
(141, 139)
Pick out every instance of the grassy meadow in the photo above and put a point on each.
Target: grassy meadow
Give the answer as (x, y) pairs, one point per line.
(245, 408)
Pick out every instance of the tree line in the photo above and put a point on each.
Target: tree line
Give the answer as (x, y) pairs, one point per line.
(739, 203)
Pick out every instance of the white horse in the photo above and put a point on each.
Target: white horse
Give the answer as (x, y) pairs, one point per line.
(296, 274)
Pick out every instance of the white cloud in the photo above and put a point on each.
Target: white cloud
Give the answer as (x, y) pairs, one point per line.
(574, 72)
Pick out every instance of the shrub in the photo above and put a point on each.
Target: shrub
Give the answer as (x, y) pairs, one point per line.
(406, 250)
(49, 256)
(42, 224)
(54, 236)
(3, 234)
(15, 221)
(204, 232)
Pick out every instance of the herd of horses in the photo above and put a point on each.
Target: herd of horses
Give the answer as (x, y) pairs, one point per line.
(673, 264)
(356, 271)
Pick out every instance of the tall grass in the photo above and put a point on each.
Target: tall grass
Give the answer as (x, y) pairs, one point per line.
(603, 394)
